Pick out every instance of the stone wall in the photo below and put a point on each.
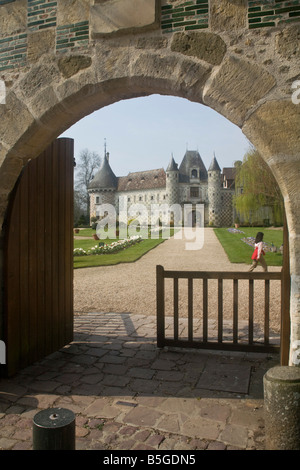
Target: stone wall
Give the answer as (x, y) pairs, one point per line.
(227, 211)
(61, 60)
(29, 29)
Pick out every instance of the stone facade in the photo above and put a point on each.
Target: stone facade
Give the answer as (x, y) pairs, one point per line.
(239, 57)
(190, 184)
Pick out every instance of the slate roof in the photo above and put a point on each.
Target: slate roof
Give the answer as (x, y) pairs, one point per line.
(214, 166)
(191, 160)
(154, 179)
(172, 165)
(104, 178)
(151, 179)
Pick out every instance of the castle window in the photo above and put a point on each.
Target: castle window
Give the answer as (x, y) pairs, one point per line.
(140, 198)
(128, 199)
(194, 192)
(194, 174)
(97, 200)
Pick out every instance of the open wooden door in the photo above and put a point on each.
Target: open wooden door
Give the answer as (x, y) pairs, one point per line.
(38, 268)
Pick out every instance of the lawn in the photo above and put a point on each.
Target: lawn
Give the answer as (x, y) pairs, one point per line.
(128, 255)
(240, 252)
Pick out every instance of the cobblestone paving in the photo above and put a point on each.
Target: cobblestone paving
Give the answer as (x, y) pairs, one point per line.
(129, 395)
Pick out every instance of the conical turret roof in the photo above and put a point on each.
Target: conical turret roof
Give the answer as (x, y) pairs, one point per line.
(214, 166)
(172, 165)
(104, 178)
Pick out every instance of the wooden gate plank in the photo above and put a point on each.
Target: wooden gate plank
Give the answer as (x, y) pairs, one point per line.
(33, 264)
(13, 283)
(41, 255)
(24, 270)
(69, 239)
(175, 302)
(235, 310)
(39, 258)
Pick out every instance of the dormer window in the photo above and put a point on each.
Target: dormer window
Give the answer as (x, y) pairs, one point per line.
(194, 174)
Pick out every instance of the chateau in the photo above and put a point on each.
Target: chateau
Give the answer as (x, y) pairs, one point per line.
(190, 184)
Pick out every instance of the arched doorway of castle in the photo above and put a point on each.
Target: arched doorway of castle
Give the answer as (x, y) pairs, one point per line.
(244, 74)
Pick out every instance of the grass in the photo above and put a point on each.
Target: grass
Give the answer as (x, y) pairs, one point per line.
(129, 255)
(239, 252)
(236, 250)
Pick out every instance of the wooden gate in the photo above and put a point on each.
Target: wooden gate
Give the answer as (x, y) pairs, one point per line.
(168, 334)
(232, 342)
(38, 267)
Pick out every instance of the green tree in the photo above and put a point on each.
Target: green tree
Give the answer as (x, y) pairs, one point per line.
(256, 187)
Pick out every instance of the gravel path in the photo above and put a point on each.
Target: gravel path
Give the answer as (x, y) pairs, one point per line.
(131, 287)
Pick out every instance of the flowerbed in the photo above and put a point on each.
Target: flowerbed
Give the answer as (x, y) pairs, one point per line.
(250, 241)
(108, 249)
(234, 230)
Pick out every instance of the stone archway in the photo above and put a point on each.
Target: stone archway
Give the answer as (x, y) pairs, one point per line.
(74, 63)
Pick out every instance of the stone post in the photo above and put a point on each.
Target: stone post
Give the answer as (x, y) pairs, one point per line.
(282, 408)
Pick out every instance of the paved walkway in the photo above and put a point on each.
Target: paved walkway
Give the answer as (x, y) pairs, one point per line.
(129, 395)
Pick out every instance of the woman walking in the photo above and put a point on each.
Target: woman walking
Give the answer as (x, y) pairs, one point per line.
(258, 254)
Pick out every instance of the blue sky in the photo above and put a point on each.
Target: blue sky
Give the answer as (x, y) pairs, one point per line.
(143, 133)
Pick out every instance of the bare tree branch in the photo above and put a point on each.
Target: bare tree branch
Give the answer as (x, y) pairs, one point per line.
(86, 168)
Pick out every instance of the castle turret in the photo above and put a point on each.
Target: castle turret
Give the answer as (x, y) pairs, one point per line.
(214, 193)
(102, 189)
(172, 182)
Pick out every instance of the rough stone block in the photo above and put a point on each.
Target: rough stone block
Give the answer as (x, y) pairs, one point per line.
(123, 16)
(15, 119)
(287, 42)
(275, 136)
(236, 87)
(40, 43)
(71, 65)
(13, 18)
(205, 46)
(72, 11)
(228, 14)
